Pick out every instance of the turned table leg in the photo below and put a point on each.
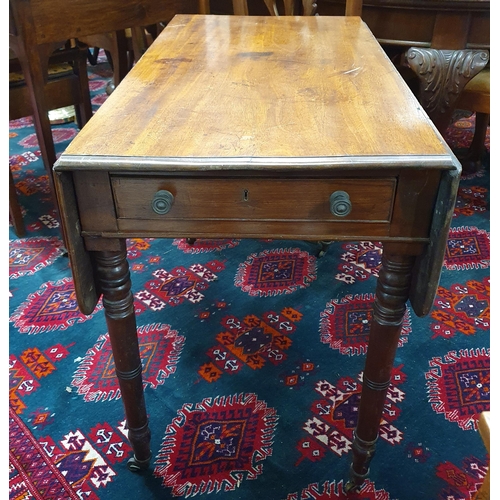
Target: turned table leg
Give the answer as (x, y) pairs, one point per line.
(114, 279)
(388, 311)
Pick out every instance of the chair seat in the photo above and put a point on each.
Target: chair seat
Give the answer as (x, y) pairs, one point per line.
(54, 71)
(476, 94)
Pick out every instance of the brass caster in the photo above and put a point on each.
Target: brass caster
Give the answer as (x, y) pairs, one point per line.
(135, 465)
(351, 487)
(323, 248)
(356, 481)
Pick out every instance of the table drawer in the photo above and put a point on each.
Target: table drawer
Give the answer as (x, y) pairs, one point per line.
(367, 200)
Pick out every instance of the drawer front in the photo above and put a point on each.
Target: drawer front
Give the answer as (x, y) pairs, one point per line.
(367, 200)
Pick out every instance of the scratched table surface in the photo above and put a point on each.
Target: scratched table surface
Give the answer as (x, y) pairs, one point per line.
(280, 87)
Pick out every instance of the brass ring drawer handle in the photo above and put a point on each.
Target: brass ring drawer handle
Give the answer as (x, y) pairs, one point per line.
(162, 202)
(340, 204)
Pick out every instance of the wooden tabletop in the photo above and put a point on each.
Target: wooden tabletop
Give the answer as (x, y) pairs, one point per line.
(243, 89)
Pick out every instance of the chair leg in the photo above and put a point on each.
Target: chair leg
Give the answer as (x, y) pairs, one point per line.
(35, 78)
(33, 72)
(118, 56)
(92, 55)
(115, 47)
(15, 209)
(84, 109)
(472, 160)
(203, 6)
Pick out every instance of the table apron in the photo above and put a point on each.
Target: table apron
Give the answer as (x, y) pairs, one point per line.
(383, 206)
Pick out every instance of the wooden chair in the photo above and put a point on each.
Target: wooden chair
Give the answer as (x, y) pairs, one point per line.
(66, 84)
(38, 94)
(138, 23)
(476, 98)
(116, 46)
(37, 27)
(63, 88)
(240, 7)
(123, 48)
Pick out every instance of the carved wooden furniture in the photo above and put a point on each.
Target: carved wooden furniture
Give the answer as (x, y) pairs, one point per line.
(40, 94)
(449, 24)
(123, 47)
(448, 45)
(260, 127)
(448, 42)
(443, 75)
(129, 25)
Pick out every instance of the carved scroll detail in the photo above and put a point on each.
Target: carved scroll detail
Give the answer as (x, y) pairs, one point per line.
(443, 74)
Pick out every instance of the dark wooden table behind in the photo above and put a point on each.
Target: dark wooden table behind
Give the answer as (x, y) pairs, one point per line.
(447, 24)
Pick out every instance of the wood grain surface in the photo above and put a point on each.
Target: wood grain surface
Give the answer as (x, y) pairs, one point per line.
(266, 87)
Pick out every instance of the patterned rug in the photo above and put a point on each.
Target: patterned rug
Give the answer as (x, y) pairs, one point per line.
(253, 353)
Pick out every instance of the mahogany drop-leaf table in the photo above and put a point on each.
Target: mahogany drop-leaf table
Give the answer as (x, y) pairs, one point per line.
(260, 127)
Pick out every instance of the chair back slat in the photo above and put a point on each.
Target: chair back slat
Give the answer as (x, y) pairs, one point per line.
(353, 7)
(240, 7)
(56, 20)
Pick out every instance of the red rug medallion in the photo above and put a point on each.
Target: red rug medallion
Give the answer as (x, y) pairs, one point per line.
(214, 445)
(176, 286)
(250, 341)
(52, 307)
(335, 413)
(463, 309)
(467, 248)
(345, 324)
(360, 261)
(273, 272)
(459, 386)
(159, 346)
(29, 255)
